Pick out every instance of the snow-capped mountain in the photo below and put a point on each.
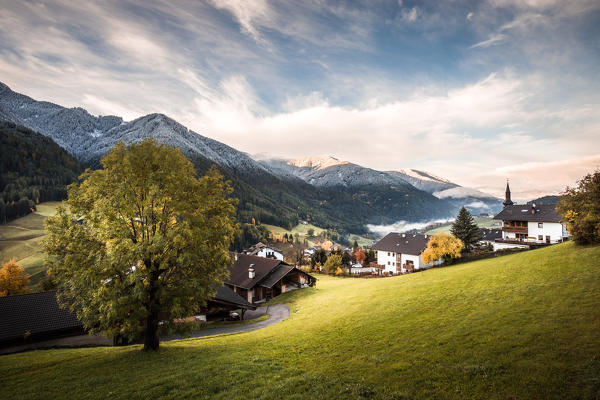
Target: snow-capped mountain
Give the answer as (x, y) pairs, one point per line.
(88, 137)
(329, 172)
(423, 180)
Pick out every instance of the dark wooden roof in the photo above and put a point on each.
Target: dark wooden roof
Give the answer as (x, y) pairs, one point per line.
(37, 313)
(405, 243)
(238, 272)
(525, 212)
(226, 295)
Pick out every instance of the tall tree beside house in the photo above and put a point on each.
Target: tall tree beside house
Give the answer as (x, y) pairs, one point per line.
(466, 229)
(13, 279)
(580, 208)
(442, 245)
(144, 239)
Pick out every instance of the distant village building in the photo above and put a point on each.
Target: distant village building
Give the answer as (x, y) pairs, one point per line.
(529, 225)
(400, 253)
(262, 250)
(489, 236)
(258, 279)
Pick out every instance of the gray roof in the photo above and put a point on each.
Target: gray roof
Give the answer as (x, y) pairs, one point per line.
(276, 275)
(405, 243)
(525, 212)
(226, 295)
(36, 313)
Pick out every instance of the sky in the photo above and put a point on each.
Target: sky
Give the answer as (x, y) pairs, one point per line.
(474, 91)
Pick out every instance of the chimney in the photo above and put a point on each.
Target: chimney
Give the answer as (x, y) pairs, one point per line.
(251, 271)
(404, 235)
(533, 208)
(235, 256)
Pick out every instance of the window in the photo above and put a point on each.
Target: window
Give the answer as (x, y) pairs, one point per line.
(388, 253)
(540, 237)
(388, 263)
(540, 224)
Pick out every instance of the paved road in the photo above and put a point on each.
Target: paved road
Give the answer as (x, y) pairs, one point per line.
(277, 313)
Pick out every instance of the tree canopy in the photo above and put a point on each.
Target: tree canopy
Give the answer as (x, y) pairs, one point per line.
(13, 279)
(580, 208)
(442, 245)
(142, 236)
(466, 229)
(333, 263)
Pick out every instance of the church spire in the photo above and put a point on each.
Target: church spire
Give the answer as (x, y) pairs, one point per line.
(507, 201)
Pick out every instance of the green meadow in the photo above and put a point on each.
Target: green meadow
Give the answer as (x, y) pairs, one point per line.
(21, 239)
(482, 222)
(522, 326)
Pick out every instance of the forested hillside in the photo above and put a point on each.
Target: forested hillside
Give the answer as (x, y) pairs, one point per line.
(33, 169)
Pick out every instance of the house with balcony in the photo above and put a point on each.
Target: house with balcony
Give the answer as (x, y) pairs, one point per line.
(529, 225)
(400, 253)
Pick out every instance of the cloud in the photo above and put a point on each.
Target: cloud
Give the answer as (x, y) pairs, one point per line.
(492, 40)
(249, 14)
(410, 15)
(470, 16)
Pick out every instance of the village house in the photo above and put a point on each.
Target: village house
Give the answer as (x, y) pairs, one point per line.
(35, 317)
(529, 225)
(489, 236)
(262, 250)
(259, 279)
(400, 253)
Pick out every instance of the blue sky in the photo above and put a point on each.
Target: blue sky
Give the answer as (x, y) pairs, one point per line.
(476, 92)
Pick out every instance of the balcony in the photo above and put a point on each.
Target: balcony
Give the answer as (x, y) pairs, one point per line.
(515, 229)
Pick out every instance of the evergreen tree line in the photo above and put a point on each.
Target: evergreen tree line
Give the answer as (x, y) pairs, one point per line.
(33, 169)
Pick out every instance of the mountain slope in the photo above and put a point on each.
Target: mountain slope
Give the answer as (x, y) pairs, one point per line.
(33, 169)
(273, 194)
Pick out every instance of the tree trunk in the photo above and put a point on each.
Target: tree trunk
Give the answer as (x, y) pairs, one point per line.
(151, 339)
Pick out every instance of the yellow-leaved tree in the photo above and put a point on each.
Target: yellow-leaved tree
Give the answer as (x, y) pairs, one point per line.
(442, 245)
(13, 279)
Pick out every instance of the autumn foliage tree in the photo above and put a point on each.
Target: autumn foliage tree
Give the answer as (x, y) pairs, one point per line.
(144, 240)
(442, 245)
(580, 208)
(13, 279)
(360, 256)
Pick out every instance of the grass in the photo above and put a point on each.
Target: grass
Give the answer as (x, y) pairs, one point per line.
(20, 239)
(522, 326)
(302, 230)
(199, 326)
(482, 222)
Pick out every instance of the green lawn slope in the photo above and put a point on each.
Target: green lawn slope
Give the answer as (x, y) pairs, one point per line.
(21, 239)
(522, 326)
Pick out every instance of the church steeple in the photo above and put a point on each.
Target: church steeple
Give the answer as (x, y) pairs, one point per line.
(507, 201)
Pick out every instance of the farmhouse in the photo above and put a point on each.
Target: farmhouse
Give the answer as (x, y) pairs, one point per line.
(400, 253)
(35, 317)
(529, 225)
(489, 236)
(258, 279)
(262, 250)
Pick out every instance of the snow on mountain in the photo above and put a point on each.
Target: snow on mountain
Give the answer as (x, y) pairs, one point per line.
(319, 162)
(423, 180)
(460, 192)
(88, 137)
(328, 172)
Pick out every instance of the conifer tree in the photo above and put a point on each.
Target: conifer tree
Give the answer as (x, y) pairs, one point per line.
(466, 229)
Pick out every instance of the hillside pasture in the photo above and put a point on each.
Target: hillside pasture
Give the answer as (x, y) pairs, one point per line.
(522, 326)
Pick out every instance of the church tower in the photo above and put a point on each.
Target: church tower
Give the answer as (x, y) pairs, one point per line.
(507, 201)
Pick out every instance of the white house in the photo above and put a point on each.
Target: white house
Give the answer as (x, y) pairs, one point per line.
(399, 253)
(529, 224)
(262, 250)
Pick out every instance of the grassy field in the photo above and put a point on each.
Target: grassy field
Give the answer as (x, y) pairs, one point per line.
(20, 239)
(482, 222)
(522, 326)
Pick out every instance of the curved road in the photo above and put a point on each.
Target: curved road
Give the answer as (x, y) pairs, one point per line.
(277, 313)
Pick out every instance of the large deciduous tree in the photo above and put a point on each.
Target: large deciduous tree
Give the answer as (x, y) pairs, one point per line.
(143, 239)
(442, 245)
(466, 229)
(13, 279)
(580, 208)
